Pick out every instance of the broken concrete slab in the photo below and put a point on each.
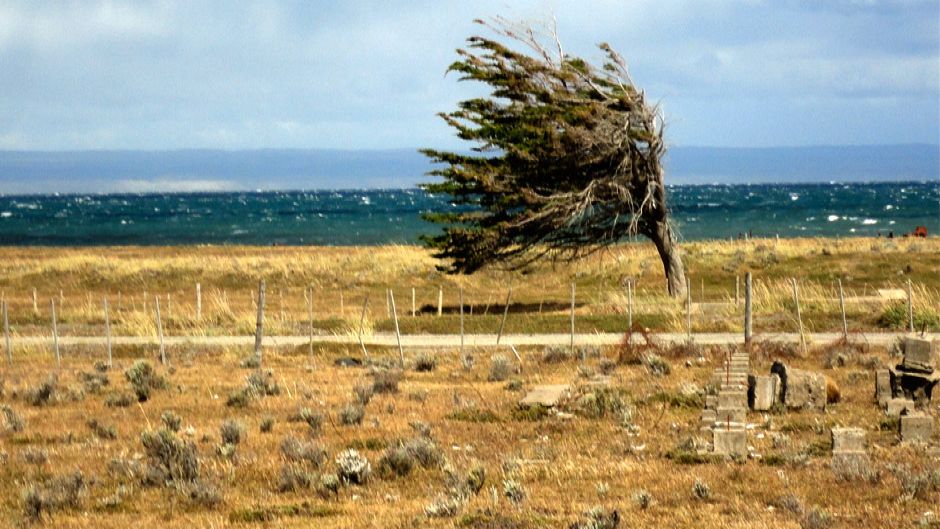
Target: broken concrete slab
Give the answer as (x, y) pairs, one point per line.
(724, 416)
(895, 407)
(883, 391)
(732, 399)
(547, 395)
(762, 392)
(730, 442)
(848, 440)
(916, 386)
(915, 428)
(800, 388)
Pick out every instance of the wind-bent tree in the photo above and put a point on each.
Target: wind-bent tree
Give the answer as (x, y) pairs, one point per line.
(567, 159)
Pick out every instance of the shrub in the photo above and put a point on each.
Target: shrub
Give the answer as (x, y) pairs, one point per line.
(231, 432)
(63, 492)
(43, 393)
(396, 461)
(601, 402)
(352, 414)
(267, 424)
(700, 490)
(101, 430)
(385, 381)
(169, 459)
(598, 518)
(313, 419)
(554, 354)
(444, 506)
(363, 393)
(171, 421)
(293, 478)
(12, 421)
(118, 400)
(143, 379)
(262, 383)
(657, 365)
(352, 467)
(916, 485)
(500, 368)
(93, 382)
(816, 519)
(476, 478)
(251, 362)
(36, 456)
(425, 362)
(297, 451)
(240, 398)
(329, 485)
(513, 491)
(425, 452)
(895, 316)
(643, 498)
(854, 468)
(199, 492)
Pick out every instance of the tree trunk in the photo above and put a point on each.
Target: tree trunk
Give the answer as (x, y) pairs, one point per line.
(661, 235)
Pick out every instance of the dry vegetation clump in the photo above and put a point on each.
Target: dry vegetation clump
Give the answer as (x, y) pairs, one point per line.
(169, 459)
(143, 379)
(44, 393)
(102, 431)
(12, 421)
(352, 467)
(56, 494)
(351, 414)
(385, 380)
(297, 451)
(171, 420)
(500, 368)
(425, 362)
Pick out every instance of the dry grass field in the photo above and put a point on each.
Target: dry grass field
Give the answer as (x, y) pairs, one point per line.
(221, 442)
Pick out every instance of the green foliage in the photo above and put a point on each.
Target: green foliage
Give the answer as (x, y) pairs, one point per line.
(566, 156)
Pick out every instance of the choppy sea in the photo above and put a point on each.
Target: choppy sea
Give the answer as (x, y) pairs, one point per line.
(375, 217)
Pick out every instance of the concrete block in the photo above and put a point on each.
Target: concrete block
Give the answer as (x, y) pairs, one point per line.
(848, 440)
(916, 428)
(732, 399)
(731, 442)
(711, 402)
(762, 392)
(883, 391)
(730, 415)
(800, 388)
(895, 407)
(918, 355)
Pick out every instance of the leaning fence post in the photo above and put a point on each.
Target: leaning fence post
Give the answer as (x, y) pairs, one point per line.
(401, 351)
(156, 300)
(747, 309)
(35, 302)
(55, 337)
(910, 306)
(107, 329)
(440, 300)
(6, 333)
(737, 290)
(502, 322)
(198, 301)
(309, 299)
(799, 317)
(362, 320)
(845, 325)
(413, 302)
(259, 322)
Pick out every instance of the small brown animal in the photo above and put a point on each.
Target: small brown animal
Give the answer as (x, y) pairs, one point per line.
(833, 393)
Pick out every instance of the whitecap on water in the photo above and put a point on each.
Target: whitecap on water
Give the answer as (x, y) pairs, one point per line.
(832, 218)
(5, 214)
(869, 221)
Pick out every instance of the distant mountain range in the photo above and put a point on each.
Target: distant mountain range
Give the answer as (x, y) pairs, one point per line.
(27, 172)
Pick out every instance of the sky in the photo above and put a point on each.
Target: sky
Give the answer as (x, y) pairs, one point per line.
(103, 75)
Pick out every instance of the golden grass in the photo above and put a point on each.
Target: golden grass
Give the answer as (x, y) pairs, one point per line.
(340, 279)
(566, 465)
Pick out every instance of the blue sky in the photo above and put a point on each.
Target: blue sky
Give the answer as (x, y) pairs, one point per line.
(370, 75)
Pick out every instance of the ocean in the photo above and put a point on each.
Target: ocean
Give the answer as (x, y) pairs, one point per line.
(373, 217)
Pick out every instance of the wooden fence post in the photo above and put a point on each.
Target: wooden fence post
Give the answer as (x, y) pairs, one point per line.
(571, 345)
(259, 322)
(440, 300)
(107, 329)
(199, 301)
(413, 312)
(799, 317)
(845, 325)
(362, 320)
(401, 351)
(688, 309)
(156, 300)
(910, 306)
(308, 296)
(747, 309)
(35, 302)
(630, 305)
(502, 323)
(737, 290)
(6, 333)
(55, 337)
(460, 300)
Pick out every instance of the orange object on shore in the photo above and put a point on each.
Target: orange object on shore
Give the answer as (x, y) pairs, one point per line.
(920, 231)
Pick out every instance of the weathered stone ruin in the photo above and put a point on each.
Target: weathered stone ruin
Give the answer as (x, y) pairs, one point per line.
(910, 384)
(848, 445)
(725, 413)
(800, 389)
